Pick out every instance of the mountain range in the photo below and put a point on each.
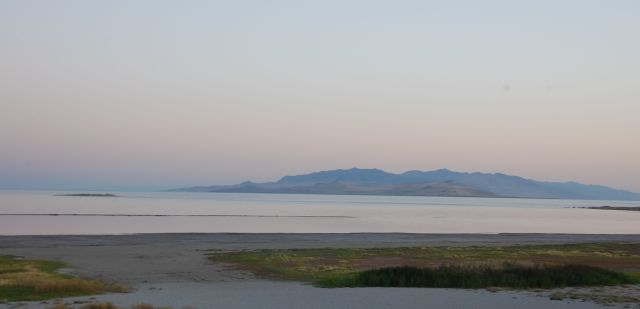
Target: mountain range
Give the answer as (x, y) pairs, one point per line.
(442, 182)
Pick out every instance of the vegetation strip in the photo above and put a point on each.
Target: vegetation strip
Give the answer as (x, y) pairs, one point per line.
(473, 277)
(322, 265)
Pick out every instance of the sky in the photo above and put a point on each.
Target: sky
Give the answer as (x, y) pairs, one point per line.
(146, 95)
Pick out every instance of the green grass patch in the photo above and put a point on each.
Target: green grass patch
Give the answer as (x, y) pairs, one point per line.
(472, 277)
(339, 264)
(23, 279)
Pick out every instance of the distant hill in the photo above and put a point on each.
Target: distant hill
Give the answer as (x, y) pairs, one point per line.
(441, 182)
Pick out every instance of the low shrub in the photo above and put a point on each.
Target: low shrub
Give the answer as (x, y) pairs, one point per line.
(509, 275)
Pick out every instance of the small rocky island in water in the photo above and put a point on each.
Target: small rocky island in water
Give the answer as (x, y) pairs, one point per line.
(89, 194)
(614, 208)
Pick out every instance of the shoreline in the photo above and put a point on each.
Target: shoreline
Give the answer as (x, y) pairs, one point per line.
(41, 214)
(168, 269)
(372, 237)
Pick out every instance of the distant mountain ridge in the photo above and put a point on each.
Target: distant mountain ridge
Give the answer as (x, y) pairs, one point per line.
(442, 182)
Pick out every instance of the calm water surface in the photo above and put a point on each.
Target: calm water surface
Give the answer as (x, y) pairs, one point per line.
(42, 212)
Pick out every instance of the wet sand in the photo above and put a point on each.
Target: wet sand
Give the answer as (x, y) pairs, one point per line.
(172, 269)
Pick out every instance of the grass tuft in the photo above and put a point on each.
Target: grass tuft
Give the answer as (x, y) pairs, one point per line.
(23, 279)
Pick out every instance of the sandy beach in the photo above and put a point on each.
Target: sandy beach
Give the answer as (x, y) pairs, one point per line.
(172, 269)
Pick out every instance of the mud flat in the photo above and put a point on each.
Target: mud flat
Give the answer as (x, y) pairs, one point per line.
(173, 269)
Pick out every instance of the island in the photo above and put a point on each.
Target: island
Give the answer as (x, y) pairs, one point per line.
(614, 208)
(89, 194)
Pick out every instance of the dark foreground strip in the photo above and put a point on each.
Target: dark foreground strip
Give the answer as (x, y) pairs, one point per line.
(151, 215)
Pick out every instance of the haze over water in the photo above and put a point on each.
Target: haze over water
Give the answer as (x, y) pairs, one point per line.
(44, 213)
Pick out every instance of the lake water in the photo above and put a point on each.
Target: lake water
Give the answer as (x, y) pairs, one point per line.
(40, 212)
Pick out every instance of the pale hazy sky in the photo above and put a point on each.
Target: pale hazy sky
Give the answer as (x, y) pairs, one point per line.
(157, 94)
